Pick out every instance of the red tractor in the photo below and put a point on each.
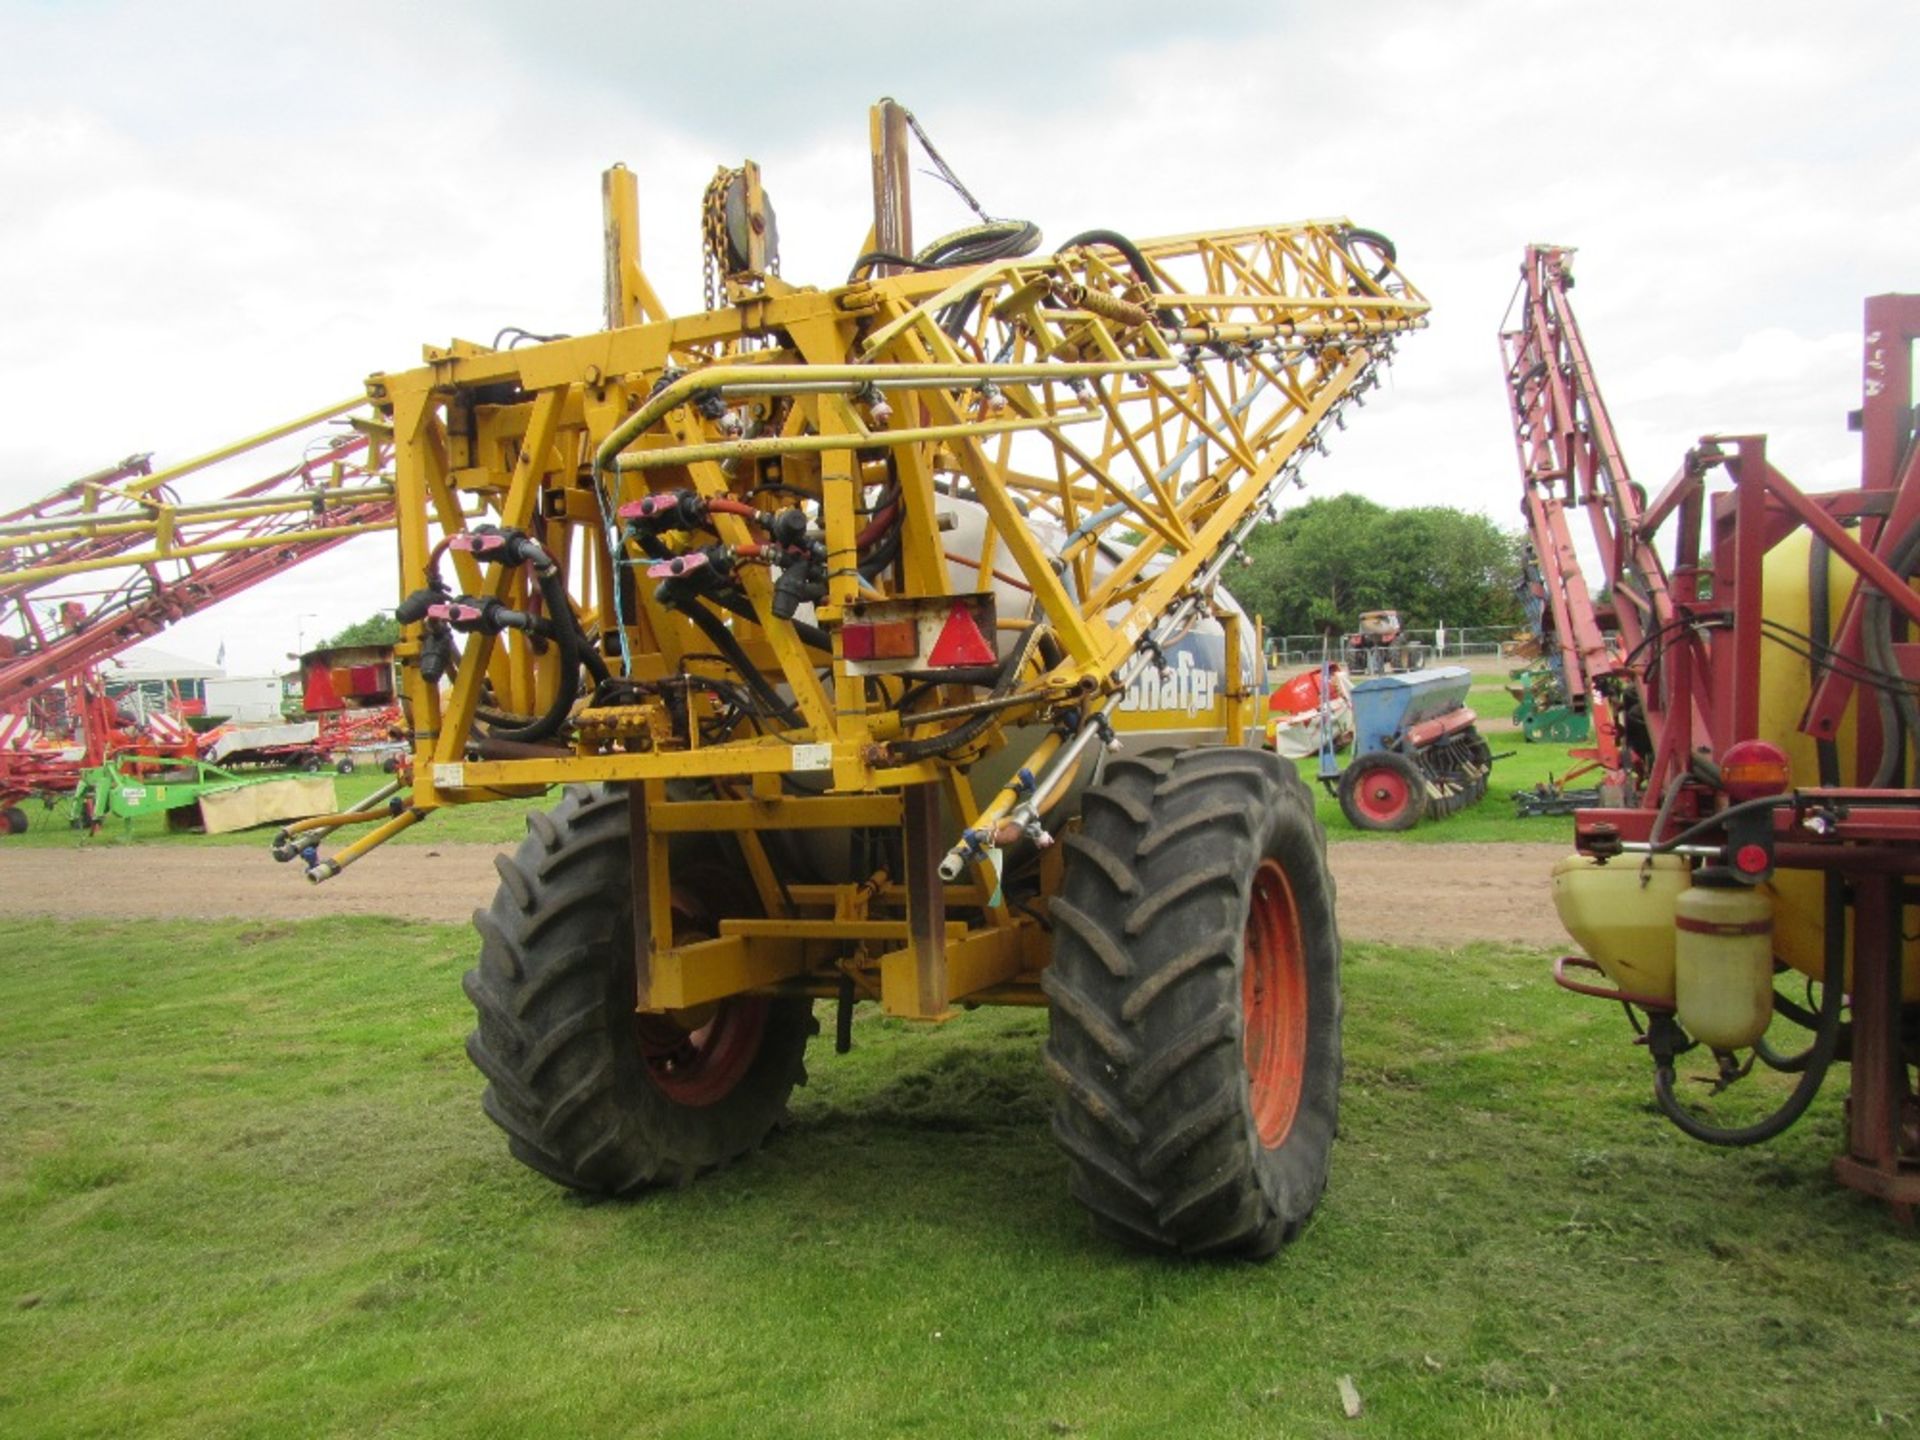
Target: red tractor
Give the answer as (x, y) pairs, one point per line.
(1381, 645)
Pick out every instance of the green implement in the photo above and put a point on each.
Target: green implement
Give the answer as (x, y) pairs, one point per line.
(193, 794)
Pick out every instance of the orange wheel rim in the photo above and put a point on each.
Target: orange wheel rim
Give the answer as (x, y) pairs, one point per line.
(1273, 980)
(701, 1067)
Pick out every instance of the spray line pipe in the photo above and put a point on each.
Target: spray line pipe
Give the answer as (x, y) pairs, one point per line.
(1167, 472)
(1019, 804)
(776, 379)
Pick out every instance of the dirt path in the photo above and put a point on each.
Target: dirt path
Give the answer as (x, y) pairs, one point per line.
(1403, 894)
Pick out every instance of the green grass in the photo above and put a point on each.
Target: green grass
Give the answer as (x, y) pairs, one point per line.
(246, 1189)
(494, 823)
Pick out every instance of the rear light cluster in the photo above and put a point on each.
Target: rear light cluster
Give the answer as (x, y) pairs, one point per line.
(889, 640)
(919, 633)
(1754, 769)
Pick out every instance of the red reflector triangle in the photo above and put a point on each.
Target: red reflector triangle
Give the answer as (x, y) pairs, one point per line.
(961, 642)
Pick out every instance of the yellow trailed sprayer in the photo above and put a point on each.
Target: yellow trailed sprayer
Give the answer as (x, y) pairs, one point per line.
(877, 634)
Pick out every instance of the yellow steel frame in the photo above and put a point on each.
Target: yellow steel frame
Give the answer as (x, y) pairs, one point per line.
(1149, 416)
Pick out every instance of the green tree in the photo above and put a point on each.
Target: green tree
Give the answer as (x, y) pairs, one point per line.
(1320, 565)
(379, 628)
(1312, 567)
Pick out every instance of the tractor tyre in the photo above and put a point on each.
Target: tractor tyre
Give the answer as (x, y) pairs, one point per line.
(1195, 1003)
(591, 1094)
(345, 765)
(13, 821)
(1383, 791)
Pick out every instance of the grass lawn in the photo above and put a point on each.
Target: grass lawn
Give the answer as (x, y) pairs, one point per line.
(245, 1189)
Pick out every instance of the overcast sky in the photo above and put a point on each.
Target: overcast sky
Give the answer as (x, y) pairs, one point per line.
(215, 216)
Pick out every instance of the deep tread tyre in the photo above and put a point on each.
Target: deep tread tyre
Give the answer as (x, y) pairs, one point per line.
(591, 1095)
(1196, 1100)
(1383, 791)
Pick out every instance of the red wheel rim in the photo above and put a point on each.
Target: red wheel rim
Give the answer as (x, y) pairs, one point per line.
(1382, 794)
(701, 1066)
(1273, 993)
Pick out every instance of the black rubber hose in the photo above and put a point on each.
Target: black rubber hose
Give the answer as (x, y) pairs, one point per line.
(981, 244)
(1877, 627)
(908, 751)
(1819, 1057)
(1713, 821)
(1805, 1019)
(1820, 622)
(553, 589)
(882, 257)
(1392, 253)
(812, 636)
(576, 649)
(722, 640)
(1115, 240)
(568, 691)
(1785, 1064)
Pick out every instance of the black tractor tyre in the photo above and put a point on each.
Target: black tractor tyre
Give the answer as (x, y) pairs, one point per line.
(345, 765)
(590, 1094)
(13, 821)
(1197, 1108)
(1383, 791)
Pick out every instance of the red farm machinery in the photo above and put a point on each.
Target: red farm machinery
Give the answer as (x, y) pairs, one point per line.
(113, 558)
(1754, 706)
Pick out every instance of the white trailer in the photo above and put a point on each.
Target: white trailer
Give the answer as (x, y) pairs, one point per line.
(244, 699)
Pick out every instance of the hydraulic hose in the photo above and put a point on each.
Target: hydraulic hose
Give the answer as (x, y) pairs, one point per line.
(1820, 623)
(1114, 240)
(1877, 625)
(1819, 1057)
(1135, 259)
(1390, 252)
(906, 752)
(722, 640)
(812, 636)
(547, 725)
(575, 650)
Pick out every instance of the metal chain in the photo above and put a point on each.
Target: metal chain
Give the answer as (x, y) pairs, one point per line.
(713, 232)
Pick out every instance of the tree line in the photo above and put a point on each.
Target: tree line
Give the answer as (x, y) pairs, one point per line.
(1318, 566)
